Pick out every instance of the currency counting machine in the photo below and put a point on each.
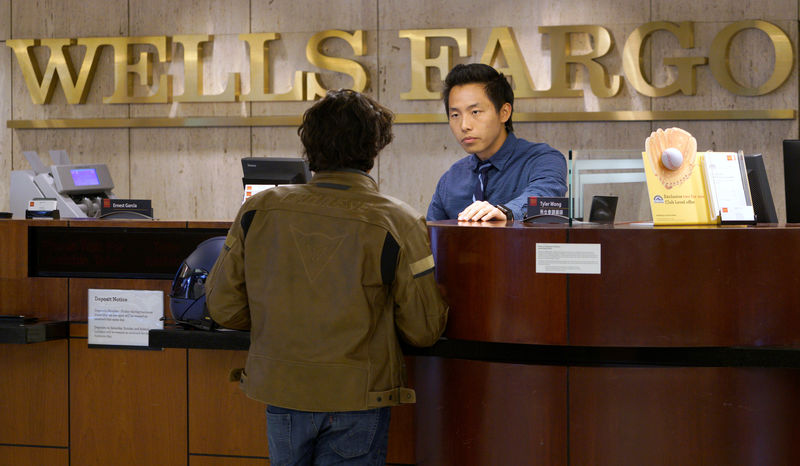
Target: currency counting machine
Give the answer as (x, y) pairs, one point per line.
(77, 188)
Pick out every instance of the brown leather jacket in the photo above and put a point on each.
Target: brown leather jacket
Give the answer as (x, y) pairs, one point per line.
(325, 276)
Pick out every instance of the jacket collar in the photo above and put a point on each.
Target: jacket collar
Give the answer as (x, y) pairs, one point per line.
(344, 179)
(499, 159)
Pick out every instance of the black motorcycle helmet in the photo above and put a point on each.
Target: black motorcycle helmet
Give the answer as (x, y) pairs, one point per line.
(188, 297)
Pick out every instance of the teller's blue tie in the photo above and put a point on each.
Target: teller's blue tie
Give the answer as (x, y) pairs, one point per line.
(480, 185)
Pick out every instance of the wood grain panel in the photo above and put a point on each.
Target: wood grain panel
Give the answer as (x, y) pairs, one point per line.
(34, 403)
(32, 456)
(222, 419)
(127, 407)
(195, 460)
(494, 292)
(79, 292)
(471, 412)
(126, 223)
(222, 225)
(78, 330)
(14, 242)
(688, 287)
(45, 298)
(667, 416)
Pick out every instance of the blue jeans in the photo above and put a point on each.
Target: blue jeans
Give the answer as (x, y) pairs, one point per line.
(321, 439)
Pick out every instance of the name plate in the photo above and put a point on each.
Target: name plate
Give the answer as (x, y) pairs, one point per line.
(579, 258)
(124, 317)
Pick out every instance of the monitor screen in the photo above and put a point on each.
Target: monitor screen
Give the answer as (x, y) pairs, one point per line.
(274, 171)
(759, 189)
(253, 189)
(84, 177)
(791, 179)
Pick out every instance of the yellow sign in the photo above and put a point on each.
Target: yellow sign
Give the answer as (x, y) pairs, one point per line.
(675, 181)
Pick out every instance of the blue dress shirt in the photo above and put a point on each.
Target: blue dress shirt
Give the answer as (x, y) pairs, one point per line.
(519, 169)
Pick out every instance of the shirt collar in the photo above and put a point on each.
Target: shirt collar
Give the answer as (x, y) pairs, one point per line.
(499, 159)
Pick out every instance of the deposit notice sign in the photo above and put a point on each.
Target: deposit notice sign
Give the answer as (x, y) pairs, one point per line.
(124, 317)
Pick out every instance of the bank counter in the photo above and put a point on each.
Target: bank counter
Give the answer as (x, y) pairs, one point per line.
(683, 350)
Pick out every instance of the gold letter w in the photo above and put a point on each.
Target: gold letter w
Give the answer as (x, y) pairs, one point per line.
(42, 87)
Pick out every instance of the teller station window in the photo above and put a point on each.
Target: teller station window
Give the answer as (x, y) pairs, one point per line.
(609, 174)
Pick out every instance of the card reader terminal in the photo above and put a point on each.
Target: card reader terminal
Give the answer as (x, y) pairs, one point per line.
(78, 188)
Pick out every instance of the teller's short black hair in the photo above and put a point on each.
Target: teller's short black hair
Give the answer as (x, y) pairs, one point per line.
(495, 84)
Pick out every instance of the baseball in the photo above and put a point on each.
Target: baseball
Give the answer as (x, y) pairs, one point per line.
(672, 158)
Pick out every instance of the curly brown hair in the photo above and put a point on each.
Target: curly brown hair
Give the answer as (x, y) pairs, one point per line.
(345, 129)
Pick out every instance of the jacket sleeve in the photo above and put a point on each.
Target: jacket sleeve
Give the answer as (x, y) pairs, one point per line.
(420, 309)
(226, 293)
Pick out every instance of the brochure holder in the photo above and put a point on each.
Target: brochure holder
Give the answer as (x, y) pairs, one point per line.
(729, 200)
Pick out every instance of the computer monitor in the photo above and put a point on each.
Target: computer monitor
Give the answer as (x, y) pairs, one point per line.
(275, 170)
(763, 205)
(791, 179)
(262, 173)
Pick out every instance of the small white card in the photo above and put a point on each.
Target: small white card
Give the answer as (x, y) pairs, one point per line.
(124, 317)
(43, 204)
(581, 258)
(737, 213)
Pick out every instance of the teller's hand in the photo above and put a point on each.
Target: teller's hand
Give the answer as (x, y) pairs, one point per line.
(481, 211)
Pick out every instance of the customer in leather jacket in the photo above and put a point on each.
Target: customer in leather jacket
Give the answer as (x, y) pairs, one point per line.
(326, 276)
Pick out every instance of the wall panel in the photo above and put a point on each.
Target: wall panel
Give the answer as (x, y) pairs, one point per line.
(460, 426)
(682, 415)
(412, 164)
(160, 163)
(68, 18)
(44, 298)
(189, 173)
(127, 407)
(197, 460)
(5, 114)
(5, 19)
(214, 400)
(152, 17)
(33, 456)
(725, 10)
(34, 402)
(419, 14)
(347, 15)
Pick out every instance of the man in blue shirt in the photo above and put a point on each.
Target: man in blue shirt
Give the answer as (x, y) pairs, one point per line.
(502, 171)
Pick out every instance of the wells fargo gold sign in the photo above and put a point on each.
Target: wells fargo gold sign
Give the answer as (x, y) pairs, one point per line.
(133, 69)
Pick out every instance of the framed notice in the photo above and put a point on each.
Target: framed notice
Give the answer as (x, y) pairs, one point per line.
(124, 317)
(573, 258)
